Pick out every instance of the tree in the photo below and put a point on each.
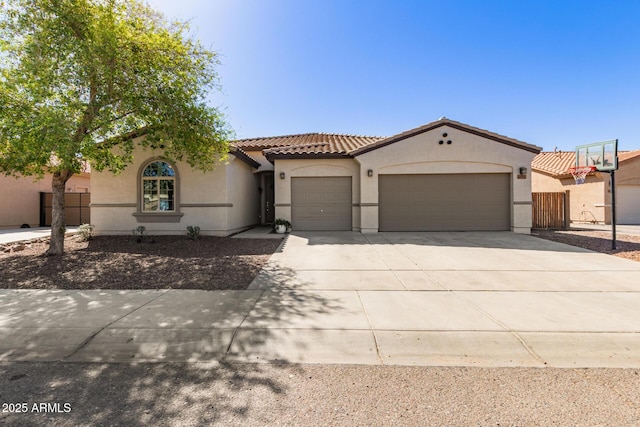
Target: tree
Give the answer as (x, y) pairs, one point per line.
(80, 78)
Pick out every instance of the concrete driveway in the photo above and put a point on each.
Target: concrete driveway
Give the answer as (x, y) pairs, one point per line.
(469, 298)
(462, 299)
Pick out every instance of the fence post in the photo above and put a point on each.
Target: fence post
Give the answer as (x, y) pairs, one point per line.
(42, 215)
(567, 210)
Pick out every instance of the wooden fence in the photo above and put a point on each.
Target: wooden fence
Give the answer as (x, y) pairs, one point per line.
(550, 210)
(76, 208)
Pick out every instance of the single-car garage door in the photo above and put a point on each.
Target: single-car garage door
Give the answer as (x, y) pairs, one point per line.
(447, 202)
(628, 204)
(321, 203)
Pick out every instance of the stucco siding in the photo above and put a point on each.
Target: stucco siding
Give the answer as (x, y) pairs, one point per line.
(21, 197)
(243, 194)
(201, 198)
(315, 168)
(265, 165)
(586, 201)
(467, 153)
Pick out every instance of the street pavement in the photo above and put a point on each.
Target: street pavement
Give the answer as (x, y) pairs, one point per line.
(432, 299)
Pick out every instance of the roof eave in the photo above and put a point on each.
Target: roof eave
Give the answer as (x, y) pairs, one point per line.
(240, 154)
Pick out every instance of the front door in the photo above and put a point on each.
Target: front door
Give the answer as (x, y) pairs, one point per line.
(269, 198)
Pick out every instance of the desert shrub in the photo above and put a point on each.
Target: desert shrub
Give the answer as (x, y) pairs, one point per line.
(193, 232)
(85, 231)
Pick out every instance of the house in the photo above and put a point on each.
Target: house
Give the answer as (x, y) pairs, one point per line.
(444, 175)
(22, 197)
(591, 202)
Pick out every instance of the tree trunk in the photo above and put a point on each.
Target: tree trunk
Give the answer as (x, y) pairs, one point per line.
(58, 183)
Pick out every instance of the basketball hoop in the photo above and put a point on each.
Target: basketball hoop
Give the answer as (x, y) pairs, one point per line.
(580, 173)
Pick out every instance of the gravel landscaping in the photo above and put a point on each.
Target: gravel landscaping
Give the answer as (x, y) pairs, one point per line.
(209, 263)
(119, 262)
(627, 246)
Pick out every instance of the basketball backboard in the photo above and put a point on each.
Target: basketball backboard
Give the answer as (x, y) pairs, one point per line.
(602, 155)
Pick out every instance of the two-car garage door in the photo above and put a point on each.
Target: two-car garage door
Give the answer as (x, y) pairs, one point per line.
(444, 202)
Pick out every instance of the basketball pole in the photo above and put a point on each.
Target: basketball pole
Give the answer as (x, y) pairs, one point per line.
(613, 209)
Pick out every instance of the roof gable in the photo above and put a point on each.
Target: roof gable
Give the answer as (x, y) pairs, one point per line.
(453, 124)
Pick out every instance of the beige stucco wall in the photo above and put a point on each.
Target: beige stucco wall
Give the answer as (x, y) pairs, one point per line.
(586, 201)
(591, 201)
(243, 194)
(293, 168)
(265, 165)
(468, 153)
(21, 197)
(203, 198)
(628, 172)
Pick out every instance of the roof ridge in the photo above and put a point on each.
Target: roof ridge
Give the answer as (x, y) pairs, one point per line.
(293, 135)
(276, 136)
(310, 144)
(350, 134)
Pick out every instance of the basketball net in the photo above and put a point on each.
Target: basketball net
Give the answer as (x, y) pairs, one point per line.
(580, 173)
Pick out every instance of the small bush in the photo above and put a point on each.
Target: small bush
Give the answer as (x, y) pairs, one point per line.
(139, 233)
(85, 231)
(282, 221)
(193, 232)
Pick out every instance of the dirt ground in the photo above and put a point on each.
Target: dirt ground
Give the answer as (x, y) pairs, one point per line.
(209, 263)
(627, 246)
(119, 262)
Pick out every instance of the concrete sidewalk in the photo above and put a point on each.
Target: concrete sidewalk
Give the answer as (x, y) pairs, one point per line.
(438, 299)
(632, 230)
(12, 235)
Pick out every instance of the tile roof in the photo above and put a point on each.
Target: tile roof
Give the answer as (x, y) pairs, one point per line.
(554, 163)
(342, 145)
(242, 155)
(623, 156)
(558, 163)
(327, 144)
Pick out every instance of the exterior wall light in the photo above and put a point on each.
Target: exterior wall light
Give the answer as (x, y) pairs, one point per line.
(281, 175)
(370, 172)
(523, 171)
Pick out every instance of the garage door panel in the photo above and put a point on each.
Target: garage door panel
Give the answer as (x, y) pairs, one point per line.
(444, 202)
(628, 204)
(321, 204)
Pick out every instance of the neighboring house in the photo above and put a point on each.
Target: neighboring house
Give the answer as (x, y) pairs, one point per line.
(444, 175)
(591, 202)
(21, 197)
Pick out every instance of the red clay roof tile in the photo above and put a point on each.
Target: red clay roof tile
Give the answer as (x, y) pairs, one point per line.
(307, 143)
(558, 163)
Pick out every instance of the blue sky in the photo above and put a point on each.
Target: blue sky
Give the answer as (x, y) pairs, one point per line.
(551, 73)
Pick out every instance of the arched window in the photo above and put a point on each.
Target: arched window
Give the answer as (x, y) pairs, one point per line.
(158, 187)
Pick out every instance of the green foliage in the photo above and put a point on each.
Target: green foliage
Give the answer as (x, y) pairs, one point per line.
(193, 232)
(85, 231)
(282, 221)
(80, 78)
(139, 233)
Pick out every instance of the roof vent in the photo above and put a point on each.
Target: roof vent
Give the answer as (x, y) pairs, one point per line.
(442, 118)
